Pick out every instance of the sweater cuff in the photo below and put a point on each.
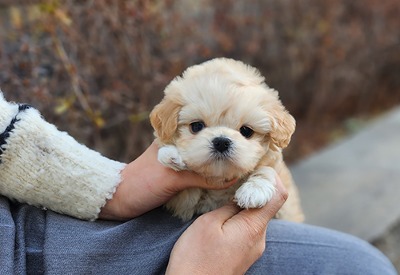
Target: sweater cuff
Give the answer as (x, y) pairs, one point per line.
(45, 167)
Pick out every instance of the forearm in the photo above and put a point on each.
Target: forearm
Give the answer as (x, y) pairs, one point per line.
(44, 167)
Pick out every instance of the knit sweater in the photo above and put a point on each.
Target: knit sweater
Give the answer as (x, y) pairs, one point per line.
(45, 167)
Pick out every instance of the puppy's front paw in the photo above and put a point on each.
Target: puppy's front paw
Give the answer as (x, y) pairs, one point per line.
(169, 156)
(255, 193)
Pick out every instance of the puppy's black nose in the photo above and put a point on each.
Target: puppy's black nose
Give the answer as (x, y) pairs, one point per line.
(221, 144)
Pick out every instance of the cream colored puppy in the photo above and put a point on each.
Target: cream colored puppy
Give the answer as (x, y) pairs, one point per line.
(222, 121)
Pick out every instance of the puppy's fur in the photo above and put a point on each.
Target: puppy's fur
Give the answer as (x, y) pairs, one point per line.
(222, 121)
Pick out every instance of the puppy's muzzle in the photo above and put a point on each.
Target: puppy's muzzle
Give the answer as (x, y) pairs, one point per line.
(221, 144)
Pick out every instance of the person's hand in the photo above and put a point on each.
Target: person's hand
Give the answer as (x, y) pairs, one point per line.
(147, 184)
(225, 241)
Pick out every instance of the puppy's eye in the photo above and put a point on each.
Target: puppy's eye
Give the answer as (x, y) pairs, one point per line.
(246, 131)
(197, 126)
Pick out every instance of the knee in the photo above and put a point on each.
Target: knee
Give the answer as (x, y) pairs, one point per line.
(355, 256)
(294, 248)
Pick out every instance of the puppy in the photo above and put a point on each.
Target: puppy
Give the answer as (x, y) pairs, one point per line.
(220, 120)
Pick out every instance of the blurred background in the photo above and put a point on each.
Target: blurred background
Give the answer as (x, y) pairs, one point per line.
(97, 68)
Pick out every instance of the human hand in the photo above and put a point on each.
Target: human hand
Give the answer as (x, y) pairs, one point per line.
(225, 241)
(147, 184)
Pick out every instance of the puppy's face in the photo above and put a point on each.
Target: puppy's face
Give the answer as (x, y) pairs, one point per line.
(222, 118)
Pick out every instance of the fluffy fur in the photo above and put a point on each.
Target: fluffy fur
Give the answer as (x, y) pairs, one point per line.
(222, 121)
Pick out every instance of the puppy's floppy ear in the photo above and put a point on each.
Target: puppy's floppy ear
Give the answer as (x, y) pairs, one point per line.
(164, 117)
(283, 126)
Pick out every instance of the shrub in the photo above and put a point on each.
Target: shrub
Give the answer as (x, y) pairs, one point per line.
(96, 68)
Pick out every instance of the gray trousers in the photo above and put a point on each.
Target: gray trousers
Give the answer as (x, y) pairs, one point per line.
(35, 241)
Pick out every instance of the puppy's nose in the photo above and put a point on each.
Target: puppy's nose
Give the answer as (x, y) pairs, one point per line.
(221, 144)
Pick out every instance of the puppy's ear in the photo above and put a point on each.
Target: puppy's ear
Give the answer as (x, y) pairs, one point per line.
(164, 118)
(283, 126)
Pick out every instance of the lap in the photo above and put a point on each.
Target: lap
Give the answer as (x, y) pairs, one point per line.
(56, 243)
(138, 246)
(304, 249)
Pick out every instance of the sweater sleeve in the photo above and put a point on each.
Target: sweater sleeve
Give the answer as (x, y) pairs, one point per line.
(45, 167)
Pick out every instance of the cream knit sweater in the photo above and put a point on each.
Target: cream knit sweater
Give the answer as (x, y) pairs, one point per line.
(42, 166)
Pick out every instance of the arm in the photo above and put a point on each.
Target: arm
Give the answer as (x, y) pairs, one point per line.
(47, 168)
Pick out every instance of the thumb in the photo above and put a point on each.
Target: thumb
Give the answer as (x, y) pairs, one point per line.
(224, 213)
(258, 218)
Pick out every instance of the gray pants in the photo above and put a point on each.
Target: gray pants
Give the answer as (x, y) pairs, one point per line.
(34, 241)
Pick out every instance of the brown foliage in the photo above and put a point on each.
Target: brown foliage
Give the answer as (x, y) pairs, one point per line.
(96, 68)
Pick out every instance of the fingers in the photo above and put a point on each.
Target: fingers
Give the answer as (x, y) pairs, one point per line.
(276, 202)
(188, 179)
(258, 218)
(220, 186)
(196, 180)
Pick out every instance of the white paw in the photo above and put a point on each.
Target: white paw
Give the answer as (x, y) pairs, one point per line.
(169, 156)
(255, 193)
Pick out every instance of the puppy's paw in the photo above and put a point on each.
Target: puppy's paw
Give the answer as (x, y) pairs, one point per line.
(169, 156)
(256, 192)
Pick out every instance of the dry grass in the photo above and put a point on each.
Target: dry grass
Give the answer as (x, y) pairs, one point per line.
(96, 68)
